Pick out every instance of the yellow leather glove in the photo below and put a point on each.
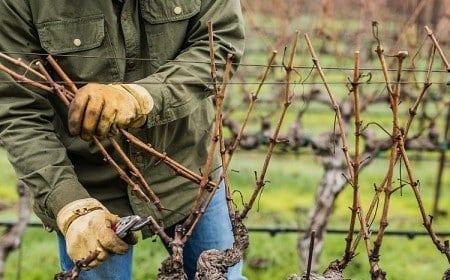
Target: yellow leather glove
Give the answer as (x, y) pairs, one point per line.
(99, 110)
(86, 225)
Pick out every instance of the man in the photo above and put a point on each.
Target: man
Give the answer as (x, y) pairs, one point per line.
(140, 65)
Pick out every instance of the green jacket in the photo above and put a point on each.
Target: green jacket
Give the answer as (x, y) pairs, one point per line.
(104, 41)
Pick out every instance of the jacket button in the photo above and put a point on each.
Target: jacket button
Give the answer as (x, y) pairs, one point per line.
(177, 10)
(131, 64)
(77, 42)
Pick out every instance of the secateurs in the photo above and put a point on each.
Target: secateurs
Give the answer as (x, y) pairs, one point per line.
(128, 224)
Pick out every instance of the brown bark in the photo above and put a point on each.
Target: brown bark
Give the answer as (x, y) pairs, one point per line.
(213, 264)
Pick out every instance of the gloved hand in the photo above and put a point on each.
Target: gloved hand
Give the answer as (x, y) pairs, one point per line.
(99, 110)
(86, 225)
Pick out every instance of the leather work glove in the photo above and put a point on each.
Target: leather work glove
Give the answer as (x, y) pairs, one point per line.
(100, 110)
(86, 225)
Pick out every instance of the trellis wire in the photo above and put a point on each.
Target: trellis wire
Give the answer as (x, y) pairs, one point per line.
(273, 231)
(242, 64)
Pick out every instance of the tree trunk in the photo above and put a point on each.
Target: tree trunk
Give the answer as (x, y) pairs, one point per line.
(331, 184)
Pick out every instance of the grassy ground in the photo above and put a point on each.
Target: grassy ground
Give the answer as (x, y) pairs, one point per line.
(284, 203)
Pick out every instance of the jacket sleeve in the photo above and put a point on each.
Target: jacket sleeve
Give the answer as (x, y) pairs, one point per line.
(26, 120)
(179, 86)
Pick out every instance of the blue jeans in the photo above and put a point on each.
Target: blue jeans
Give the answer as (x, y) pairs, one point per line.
(212, 232)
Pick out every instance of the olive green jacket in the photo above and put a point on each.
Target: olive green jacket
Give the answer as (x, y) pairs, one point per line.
(159, 44)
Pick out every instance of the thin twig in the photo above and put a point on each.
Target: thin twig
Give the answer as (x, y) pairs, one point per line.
(436, 43)
(254, 98)
(174, 165)
(63, 75)
(22, 79)
(260, 182)
(426, 220)
(335, 105)
(394, 98)
(197, 210)
(144, 186)
(356, 210)
(20, 63)
(135, 188)
(426, 85)
(57, 89)
(159, 230)
(226, 160)
(310, 255)
(79, 265)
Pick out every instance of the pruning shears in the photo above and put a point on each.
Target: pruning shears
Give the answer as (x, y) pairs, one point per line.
(128, 224)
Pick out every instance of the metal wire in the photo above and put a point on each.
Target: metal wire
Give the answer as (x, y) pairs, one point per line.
(273, 231)
(274, 83)
(307, 67)
(410, 234)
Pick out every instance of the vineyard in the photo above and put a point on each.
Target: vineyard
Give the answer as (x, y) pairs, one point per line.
(333, 135)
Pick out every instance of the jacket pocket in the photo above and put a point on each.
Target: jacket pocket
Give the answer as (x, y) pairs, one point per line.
(163, 11)
(72, 35)
(82, 46)
(166, 26)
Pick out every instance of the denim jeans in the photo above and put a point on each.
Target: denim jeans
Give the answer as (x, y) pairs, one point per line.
(212, 232)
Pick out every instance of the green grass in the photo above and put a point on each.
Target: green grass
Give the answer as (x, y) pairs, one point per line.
(7, 182)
